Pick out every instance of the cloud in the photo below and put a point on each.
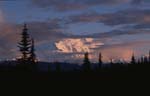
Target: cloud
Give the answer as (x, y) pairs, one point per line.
(65, 5)
(128, 16)
(141, 26)
(120, 51)
(114, 33)
(50, 30)
(2, 20)
(138, 2)
(77, 45)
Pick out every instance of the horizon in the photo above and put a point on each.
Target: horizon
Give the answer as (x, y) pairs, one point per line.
(64, 30)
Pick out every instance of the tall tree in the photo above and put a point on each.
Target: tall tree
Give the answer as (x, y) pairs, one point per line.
(100, 60)
(133, 61)
(139, 61)
(145, 60)
(32, 52)
(25, 44)
(142, 59)
(149, 57)
(86, 62)
(111, 61)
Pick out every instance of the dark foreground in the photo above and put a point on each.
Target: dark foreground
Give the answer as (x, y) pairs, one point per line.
(116, 73)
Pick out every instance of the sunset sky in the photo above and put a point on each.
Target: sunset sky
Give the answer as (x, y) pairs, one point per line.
(64, 29)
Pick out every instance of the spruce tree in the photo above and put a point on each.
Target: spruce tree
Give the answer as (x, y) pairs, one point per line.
(142, 60)
(145, 60)
(86, 62)
(139, 61)
(32, 53)
(133, 61)
(149, 57)
(100, 60)
(111, 61)
(25, 44)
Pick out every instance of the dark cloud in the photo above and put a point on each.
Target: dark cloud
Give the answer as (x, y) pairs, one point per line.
(141, 26)
(138, 2)
(129, 16)
(63, 5)
(114, 33)
(128, 32)
(46, 30)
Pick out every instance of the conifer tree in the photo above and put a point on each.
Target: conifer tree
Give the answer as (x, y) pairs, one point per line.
(32, 53)
(111, 61)
(25, 44)
(86, 62)
(149, 57)
(139, 61)
(133, 61)
(145, 60)
(142, 59)
(100, 60)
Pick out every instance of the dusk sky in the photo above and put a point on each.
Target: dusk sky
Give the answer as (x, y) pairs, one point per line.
(64, 29)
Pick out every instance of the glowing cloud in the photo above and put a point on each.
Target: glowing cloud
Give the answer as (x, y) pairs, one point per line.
(77, 45)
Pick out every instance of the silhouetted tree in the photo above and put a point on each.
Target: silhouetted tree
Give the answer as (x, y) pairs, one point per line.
(32, 53)
(86, 62)
(145, 60)
(142, 59)
(139, 61)
(25, 44)
(149, 57)
(133, 61)
(100, 61)
(25, 47)
(111, 61)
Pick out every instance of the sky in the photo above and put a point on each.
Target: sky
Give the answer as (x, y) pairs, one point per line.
(65, 29)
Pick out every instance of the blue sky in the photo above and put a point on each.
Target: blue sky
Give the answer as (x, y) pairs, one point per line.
(117, 28)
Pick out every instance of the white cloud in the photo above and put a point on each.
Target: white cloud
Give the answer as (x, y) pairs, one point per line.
(77, 45)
